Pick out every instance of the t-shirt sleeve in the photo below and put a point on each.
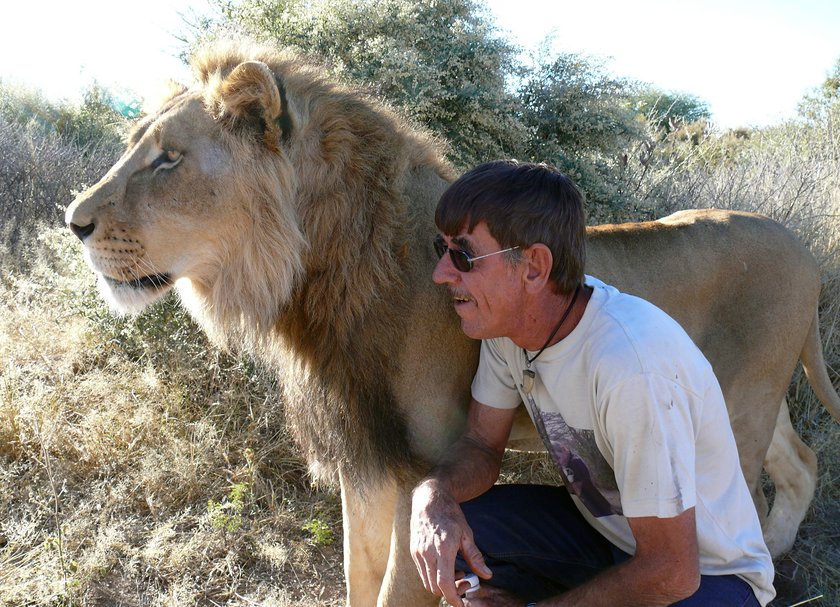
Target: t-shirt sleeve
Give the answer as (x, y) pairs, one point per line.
(648, 423)
(493, 384)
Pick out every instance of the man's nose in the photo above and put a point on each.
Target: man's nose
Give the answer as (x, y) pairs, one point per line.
(444, 272)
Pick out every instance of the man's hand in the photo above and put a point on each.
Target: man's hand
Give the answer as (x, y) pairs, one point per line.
(438, 527)
(438, 531)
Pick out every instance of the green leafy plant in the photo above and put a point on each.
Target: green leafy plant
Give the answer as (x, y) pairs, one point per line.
(226, 515)
(321, 533)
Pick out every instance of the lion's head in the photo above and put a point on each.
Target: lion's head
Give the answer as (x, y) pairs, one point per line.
(234, 188)
(290, 214)
(201, 192)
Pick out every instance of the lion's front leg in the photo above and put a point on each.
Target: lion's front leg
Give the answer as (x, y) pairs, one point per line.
(402, 586)
(368, 519)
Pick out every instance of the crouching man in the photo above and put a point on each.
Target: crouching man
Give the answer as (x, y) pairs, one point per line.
(654, 509)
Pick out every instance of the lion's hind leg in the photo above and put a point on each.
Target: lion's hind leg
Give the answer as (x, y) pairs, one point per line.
(792, 467)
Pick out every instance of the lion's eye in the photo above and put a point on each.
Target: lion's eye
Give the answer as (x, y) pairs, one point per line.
(168, 160)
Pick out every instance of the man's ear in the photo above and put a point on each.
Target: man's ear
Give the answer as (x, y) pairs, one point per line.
(538, 260)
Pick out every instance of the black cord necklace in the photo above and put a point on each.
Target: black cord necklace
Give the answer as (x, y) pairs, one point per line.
(528, 374)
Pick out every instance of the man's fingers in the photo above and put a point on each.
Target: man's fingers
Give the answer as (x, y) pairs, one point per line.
(424, 562)
(437, 531)
(425, 575)
(427, 570)
(445, 577)
(450, 591)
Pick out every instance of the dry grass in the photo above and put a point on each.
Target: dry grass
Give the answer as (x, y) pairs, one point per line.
(143, 469)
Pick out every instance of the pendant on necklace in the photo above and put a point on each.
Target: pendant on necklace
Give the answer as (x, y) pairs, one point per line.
(528, 380)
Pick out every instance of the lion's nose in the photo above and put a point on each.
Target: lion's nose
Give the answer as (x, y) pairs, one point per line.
(82, 231)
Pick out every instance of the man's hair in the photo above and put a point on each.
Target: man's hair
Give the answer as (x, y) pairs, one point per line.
(522, 204)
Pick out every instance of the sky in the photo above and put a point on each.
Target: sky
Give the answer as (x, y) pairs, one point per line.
(752, 61)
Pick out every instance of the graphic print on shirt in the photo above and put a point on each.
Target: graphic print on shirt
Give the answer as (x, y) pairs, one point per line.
(584, 470)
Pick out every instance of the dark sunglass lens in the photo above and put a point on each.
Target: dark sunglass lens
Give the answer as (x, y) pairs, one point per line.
(460, 260)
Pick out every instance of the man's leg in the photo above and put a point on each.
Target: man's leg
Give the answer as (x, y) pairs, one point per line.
(537, 544)
(721, 591)
(534, 540)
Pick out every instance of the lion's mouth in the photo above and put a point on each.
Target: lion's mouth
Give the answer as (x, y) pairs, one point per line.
(154, 281)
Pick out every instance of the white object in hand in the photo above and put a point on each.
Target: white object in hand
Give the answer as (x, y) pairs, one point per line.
(474, 585)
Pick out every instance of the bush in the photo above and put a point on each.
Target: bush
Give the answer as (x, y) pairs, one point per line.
(100, 118)
(441, 63)
(47, 153)
(39, 175)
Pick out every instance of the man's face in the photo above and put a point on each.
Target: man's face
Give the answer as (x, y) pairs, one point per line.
(488, 297)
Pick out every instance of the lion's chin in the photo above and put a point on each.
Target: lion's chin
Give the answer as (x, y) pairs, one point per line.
(131, 297)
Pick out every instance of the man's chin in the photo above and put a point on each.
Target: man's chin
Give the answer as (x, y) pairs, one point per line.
(471, 330)
(467, 316)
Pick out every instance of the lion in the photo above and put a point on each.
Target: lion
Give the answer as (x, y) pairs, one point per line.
(294, 218)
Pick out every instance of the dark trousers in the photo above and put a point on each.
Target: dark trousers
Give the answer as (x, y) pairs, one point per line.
(538, 545)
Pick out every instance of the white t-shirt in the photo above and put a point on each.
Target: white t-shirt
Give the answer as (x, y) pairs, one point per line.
(633, 415)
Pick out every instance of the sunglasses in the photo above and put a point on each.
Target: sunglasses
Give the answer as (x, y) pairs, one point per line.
(462, 260)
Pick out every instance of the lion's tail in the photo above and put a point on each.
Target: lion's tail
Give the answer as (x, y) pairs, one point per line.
(813, 363)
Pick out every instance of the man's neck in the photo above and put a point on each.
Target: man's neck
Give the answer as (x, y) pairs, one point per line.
(541, 317)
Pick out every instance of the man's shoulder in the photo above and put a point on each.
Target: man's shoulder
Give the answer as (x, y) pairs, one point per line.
(637, 318)
(629, 327)
(624, 306)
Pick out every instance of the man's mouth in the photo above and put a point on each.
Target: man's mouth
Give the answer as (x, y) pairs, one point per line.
(460, 299)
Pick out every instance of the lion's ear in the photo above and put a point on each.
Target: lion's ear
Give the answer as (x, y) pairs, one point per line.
(254, 99)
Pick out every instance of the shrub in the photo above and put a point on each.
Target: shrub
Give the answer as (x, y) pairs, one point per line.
(47, 152)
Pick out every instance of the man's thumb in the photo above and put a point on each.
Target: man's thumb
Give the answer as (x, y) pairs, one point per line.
(474, 559)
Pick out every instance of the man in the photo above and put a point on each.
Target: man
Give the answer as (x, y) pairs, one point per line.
(625, 402)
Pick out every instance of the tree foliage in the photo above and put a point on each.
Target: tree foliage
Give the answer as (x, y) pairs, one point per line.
(823, 104)
(441, 63)
(670, 111)
(570, 103)
(101, 117)
(445, 65)
(579, 118)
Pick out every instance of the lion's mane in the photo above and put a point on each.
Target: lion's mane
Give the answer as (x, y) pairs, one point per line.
(319, 288)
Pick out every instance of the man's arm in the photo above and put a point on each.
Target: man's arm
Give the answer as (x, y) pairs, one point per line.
(664, 570)
(438, 527)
